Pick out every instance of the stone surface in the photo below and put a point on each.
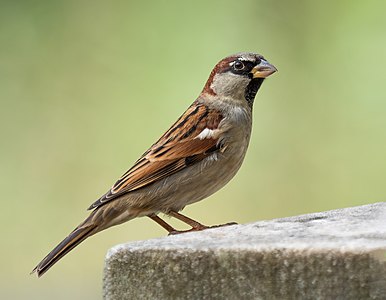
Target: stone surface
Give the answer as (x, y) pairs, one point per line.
(338, 254)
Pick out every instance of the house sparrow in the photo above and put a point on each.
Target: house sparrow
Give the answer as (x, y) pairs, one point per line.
(196, 157)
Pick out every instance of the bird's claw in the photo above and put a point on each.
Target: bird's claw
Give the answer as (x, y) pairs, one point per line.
(203, 227)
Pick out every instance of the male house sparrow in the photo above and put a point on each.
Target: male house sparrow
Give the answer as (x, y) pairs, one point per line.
(196, 157)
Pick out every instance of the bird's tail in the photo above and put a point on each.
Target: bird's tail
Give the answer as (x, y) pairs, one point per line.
(79, 234)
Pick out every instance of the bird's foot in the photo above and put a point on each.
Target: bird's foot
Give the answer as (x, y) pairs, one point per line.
(199, 228)
(222, 225)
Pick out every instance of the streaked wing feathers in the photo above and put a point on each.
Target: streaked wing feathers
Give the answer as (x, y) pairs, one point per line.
(177, 149)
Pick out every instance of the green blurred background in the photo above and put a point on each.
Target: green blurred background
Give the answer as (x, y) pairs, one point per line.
(87, 86)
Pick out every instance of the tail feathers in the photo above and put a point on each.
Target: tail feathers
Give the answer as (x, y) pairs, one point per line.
(69, 243)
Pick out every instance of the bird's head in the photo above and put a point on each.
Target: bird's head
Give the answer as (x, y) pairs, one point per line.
(238, 77)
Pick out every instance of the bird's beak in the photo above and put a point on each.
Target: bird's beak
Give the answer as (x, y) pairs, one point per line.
(263, 69)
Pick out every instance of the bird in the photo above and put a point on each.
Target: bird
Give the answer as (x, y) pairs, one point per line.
(199, 154)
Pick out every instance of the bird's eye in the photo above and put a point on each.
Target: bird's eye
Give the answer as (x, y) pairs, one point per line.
(238, 65)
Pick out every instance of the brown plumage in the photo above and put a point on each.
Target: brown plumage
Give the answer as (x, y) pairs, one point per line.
(197, 156)
(171, 153)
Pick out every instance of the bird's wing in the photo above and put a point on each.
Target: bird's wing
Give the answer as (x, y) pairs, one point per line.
(192, 138)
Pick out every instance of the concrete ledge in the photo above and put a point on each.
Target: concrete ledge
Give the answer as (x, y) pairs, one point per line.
(338, 254)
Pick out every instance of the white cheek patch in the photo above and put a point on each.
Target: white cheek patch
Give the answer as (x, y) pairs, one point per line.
(206, 134)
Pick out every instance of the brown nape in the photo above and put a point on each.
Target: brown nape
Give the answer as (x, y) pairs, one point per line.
(221, 67)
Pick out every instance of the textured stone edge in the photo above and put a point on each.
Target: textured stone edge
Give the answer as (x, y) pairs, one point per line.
(347, 265)
(274, 271)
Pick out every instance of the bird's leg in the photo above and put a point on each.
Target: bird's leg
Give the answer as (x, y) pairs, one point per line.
(161, 222)
(196, 226)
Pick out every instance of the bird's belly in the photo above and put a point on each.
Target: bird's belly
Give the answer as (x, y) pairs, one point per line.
(191, 185)
(199, 185)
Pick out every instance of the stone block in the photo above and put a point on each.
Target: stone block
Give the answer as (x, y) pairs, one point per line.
(339, 254)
